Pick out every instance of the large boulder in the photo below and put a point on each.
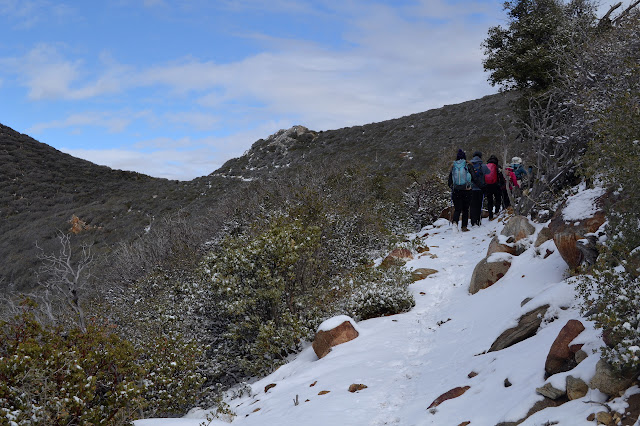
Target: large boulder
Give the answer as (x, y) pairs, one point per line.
(398, 256)
(518, 227)
(527, 326)
(606, 380)
(333, 332)
(561, 356)
(500, 245)
(579, 216)
(488, 271)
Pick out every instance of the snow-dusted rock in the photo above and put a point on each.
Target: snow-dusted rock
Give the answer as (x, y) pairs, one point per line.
(499, 244)
(561, 356)
(451, 394)
(580, 216)
(527, 326)
(422, 273)
(607, 381)
(576, 388)
(488, 271)
(550, 392)
(333, 332)
(397, 257)
(544, 235)
(518, 227)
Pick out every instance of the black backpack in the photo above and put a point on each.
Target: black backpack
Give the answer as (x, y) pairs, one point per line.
(476, 175)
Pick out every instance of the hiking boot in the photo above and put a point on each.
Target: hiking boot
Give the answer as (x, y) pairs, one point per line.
(465, 229)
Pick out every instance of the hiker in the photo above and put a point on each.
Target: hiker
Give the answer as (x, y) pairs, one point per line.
(512, 184)
(478, 172)
(518, 170)
(460, 184)
(493, 186)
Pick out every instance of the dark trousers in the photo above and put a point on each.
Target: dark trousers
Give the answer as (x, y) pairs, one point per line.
(461, 200)
(505, 198)
(494, 194)
(475, 207)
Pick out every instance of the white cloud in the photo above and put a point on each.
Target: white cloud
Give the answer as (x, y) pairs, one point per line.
(112, 122)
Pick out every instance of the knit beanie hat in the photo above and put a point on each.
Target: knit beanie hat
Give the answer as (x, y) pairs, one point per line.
(461, 155)
(477, 154)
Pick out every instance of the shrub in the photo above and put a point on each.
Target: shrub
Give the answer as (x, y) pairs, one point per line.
(378, 292)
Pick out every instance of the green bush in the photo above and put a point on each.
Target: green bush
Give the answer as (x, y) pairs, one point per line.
(52, 376)
(379, 292)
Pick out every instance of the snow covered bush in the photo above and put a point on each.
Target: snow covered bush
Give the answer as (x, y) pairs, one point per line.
(379, 292)
(425, 198)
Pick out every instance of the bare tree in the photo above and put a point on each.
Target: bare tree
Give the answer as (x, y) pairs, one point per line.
(64, 277)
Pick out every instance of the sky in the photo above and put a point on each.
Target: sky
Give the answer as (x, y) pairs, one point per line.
(174, 88)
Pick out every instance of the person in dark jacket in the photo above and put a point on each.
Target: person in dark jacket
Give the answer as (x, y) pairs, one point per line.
(492, 186)
(477, 188)
(460, 184)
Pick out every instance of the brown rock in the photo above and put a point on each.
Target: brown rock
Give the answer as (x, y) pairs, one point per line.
(313, 384)
(604, 418)
(591, 417)
(422, 273)
(496, 247)
(266, 388)
(518, 227)
(324, 392)
(566, 235)
(550, 392)
(560, 357)
(527, 326)
(632, 412)
(544, 235)
(538, 406)
(453, 393)
(606, 380)
(485, 274)
(325, 340)
(580, 356)
(422, 249)
(465, 423)
(576, 388)
(397, 256)
(447, 213)
(472, 375)
(356, 387)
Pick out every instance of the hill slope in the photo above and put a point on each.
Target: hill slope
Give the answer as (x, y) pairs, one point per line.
(408, 360)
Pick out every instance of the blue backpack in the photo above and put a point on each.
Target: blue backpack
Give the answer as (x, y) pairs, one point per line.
(460, 175)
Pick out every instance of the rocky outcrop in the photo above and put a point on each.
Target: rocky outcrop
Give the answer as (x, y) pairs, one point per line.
(519, 228)
(398, 256)
(572, 236)
(453, 393)
(486, 273)
(607, 381)
(527, 326)
(422, 273)
(561, 356)
(326, 339)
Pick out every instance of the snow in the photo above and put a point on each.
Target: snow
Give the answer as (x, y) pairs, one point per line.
(408, 360)
(582, 205)
(334, 322)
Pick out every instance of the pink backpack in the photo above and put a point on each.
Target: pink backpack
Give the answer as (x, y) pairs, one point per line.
(492, 177)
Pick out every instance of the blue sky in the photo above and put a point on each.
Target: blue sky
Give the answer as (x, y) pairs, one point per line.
(174, 88)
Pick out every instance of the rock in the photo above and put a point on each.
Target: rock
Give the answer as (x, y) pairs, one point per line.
(580, 356)
(325, 340)
(560, 357)
(397, 256)
(538, 406)
(422, 273)
(550, 392)
(447, 213)
(507, 383)
(607, 381)
(422, 249)
(485, 274)
(527, 326)
(576, 388)
(472, 375)
(496, 247)
(518, 227)
(591, 417)
(544, 235)
(566, 235)
(632, 412)
(269, 386)
(453, 393)
(357, 387)
(465, 423)
(604, 418)
(324, 392)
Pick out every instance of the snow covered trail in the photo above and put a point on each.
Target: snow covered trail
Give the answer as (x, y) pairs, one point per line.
(408, 360)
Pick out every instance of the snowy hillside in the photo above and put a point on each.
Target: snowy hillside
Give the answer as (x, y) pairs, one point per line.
(406, 361)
